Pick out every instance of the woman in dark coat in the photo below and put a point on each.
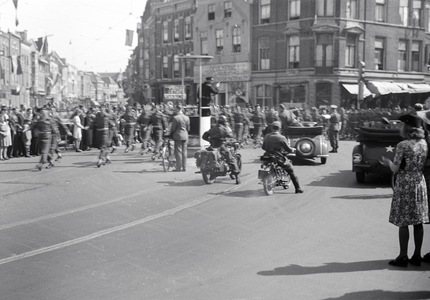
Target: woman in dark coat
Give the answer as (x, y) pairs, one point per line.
(88, 134)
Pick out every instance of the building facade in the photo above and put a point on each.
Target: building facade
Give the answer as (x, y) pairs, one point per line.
(304, 53)
(166, 35)
(315, 53)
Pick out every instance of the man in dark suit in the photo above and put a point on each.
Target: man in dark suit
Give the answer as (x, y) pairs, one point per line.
(179, 133)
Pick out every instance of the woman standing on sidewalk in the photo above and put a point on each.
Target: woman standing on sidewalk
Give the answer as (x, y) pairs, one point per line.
(5, 139)
(77, 129)
(410, 204)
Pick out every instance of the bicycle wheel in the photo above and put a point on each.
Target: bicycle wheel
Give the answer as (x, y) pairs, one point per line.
(165, 159)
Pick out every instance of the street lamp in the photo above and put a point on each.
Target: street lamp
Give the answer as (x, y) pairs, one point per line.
(204, 118)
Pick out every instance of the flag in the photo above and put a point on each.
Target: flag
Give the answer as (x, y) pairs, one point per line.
(1, 72)
(13, 64)
(15, 2)
(19, 68)
(129, 37)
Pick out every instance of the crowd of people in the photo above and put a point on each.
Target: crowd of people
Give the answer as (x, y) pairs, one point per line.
(147, 124)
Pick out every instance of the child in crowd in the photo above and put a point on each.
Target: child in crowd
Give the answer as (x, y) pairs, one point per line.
(26, 137)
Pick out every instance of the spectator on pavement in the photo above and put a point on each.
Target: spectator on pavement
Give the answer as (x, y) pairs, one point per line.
(409, 205)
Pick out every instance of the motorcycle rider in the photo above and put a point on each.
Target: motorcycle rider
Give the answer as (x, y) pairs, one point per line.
(275, 143)
(217, 136)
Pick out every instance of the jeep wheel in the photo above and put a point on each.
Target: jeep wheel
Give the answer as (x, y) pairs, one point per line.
(360, 177)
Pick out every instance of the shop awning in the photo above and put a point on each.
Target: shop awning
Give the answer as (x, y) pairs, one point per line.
(419, 87)
(352, 88)
(385, 88)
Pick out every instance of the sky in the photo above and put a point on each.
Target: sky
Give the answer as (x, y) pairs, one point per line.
(89, 34)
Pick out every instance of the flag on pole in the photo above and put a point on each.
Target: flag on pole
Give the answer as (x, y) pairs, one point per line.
(129, 37)
(15, 3)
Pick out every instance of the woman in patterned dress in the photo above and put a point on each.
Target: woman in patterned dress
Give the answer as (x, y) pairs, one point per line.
(409, 205)
(5, 139)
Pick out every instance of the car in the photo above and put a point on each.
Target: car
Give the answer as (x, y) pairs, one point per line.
(309, 141)
(379, 140)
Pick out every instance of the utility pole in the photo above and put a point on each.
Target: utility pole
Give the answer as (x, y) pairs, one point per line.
(361, 66)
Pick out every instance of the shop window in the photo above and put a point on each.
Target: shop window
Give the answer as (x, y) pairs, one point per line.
(264, 95)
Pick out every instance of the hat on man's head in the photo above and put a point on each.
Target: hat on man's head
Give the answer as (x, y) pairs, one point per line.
(209, 78)
(276, 125)
(411, 120)
(424, 115)
(418, 107)
(333, 106)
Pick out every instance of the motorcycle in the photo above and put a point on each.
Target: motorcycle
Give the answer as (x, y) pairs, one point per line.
(213, 164)
(272, 173)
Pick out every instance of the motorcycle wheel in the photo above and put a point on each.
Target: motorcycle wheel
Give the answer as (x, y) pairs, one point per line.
(208, 178)
(287, 180)
(269, 185)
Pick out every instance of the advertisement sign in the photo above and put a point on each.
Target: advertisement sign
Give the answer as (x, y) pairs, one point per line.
(225, 72)
(174, 92)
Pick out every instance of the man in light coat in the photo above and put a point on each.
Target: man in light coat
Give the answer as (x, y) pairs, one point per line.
(179, 133)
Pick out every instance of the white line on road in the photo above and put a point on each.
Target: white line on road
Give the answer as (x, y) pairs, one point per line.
(83, 208)
(98, 234)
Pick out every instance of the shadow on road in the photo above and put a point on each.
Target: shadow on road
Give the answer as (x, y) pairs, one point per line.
(184, 183)
(364, 197)
(346, 178)
(335, 267)
(383, 295)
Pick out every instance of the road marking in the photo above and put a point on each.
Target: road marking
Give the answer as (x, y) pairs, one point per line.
(101, 233)
(83, 208)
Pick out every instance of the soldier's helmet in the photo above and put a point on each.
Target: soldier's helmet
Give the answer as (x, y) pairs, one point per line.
(222, 120)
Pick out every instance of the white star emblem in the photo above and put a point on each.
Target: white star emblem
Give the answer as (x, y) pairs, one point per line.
(389, 148)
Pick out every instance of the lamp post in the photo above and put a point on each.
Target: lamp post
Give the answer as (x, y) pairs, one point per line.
(204, 118)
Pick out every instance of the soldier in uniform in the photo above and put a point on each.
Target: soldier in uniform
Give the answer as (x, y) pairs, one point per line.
(208, 90)
(259, 123)
(128, 124)
(217, 136)
(58, 127)
(113, 128)
(334, 128)
(45, 128)
(275, 143)
(159, 125)
(239, 121)
(271, 116)
(145, 129)
(103, 122)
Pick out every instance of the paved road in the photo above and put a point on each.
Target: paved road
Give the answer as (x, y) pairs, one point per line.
(130, 231)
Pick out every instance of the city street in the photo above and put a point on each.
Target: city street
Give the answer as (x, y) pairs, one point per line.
(128, 230)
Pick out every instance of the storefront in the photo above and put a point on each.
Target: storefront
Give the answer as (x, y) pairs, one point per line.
(234, 78)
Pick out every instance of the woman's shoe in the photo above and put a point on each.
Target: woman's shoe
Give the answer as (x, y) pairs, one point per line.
(415, 260)
(50, 165)
(99, 163)
(399, 262)
(39, 166)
